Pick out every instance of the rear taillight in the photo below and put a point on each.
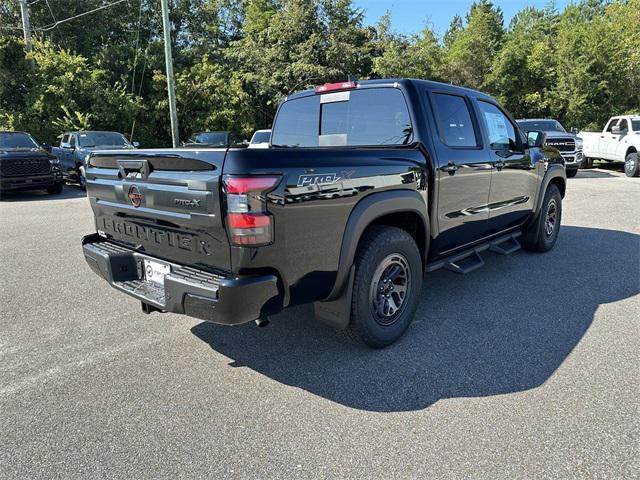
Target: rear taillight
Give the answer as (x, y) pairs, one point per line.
(247, 219)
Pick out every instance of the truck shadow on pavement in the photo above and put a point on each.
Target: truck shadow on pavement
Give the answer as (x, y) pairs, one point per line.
(505, 328)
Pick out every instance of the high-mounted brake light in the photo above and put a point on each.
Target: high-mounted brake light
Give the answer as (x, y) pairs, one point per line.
(333, 87)
(248, 221)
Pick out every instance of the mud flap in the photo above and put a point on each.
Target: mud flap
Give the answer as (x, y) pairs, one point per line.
(337, 313)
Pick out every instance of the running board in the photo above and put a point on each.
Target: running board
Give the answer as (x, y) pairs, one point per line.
(466, 264)
(470, 260)
(505, 247)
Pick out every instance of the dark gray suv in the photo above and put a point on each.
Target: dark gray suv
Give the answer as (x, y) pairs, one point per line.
(568, 143)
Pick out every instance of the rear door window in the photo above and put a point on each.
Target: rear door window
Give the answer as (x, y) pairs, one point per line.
(367, 117)
(454, 121)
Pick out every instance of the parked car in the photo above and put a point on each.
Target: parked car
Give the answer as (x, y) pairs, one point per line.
(434, 174)
(619, 141)
(568, 143)
(212, 140)
(75, 147)
(260, 139)
(27, 165)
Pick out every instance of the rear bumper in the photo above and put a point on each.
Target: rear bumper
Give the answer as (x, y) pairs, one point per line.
(29, 182)
(224, 299)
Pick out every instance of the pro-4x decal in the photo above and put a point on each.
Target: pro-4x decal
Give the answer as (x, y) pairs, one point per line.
(317, 179)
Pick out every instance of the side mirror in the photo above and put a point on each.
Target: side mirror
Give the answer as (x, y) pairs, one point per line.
(46, 146)
(616, 130)
(574, 130)
(536, 138)
(136, 144)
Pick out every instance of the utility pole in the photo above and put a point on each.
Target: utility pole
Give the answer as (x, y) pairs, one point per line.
(170, 79)
(26, 26)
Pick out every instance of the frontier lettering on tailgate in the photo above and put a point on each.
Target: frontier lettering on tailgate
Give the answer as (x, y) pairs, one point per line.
(158, 236)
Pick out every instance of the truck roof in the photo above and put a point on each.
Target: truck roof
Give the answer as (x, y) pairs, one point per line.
(91, 131)
(400, 81)
(536, 119)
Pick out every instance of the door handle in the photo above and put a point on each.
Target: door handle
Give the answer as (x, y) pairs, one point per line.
(451, 168)
(499, 164)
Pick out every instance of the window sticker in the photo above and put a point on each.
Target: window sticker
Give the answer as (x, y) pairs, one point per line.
(497, 127)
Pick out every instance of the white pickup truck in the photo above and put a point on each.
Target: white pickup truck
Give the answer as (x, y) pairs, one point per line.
(618, 142)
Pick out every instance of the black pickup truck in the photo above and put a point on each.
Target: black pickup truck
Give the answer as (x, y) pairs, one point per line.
(27, 165)
(368, 185)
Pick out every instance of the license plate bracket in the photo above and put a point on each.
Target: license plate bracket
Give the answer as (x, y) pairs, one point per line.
(155, 272)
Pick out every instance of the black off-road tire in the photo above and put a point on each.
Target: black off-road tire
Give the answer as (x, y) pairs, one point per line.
(632, 165)
(587, 163)
(82, 179)
(539, 236)
(572, 172)
(56, 189)
(380, 246)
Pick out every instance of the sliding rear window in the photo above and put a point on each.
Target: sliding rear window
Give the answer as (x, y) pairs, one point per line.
(367, 117)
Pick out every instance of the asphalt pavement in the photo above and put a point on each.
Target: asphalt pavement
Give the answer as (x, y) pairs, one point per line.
(528, 367)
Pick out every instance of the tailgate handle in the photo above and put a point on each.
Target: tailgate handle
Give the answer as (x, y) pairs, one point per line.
(134, 168)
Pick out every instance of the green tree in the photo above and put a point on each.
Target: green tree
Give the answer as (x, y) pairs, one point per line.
(597, 56)
(524, 72)
(474, 48)
(415, 56)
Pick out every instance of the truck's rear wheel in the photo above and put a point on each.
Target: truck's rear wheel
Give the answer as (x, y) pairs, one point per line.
(387, 284)
(542, 234)
(587, 163)
(632, 165)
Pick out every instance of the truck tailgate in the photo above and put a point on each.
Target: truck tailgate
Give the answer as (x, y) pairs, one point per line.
(164, 203)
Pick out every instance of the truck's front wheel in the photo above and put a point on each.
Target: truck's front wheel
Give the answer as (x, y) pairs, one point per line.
(387, 284)
(542, 234)
(56, 189)
(82, 179)
(632, 165)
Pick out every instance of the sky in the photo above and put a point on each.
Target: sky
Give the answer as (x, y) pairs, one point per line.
(410, 16)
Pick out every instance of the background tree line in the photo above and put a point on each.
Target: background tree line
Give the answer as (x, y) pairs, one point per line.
(235, 60)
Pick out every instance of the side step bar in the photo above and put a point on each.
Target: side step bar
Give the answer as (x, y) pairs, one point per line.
(466, 264)
(470, 260)
(506, 247)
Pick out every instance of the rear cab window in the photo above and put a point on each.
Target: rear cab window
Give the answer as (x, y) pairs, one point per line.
(359, 117)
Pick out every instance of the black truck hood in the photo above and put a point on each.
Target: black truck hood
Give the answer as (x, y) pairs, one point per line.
(12, 153)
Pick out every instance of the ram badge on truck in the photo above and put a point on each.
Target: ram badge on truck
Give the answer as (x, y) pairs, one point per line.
(366, 187)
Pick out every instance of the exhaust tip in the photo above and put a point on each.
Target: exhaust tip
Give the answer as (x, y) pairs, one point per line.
(262, 322)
